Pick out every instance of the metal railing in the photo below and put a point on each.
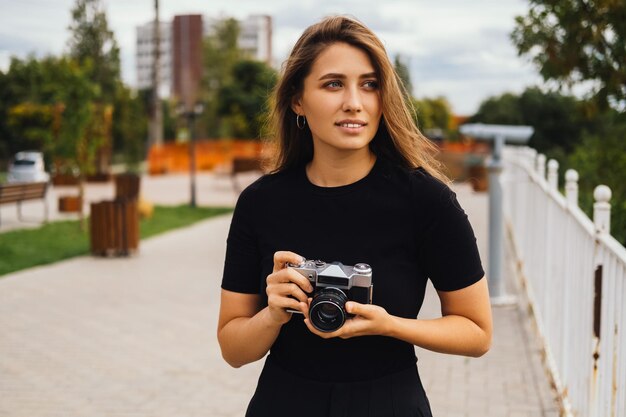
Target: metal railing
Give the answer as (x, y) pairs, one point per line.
(574, 275)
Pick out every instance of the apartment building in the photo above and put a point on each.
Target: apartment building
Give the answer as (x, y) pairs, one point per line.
(180, 49)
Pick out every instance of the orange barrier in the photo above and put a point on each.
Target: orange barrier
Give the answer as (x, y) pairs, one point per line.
(210, 154)
(466, 146)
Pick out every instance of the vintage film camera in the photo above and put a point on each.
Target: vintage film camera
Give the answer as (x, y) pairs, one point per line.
(333, 285)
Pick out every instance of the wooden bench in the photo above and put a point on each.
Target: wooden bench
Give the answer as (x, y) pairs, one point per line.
(18, 192)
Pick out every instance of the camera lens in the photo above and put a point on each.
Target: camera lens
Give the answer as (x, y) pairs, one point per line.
(327, 310)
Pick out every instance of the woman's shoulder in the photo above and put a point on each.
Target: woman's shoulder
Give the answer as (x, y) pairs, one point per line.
(427, 181)
(419, 179)
(427, 191)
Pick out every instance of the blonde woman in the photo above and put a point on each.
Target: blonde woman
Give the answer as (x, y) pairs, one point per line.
(353, 181)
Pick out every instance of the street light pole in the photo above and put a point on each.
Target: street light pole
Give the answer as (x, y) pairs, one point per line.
(190, 117)
(496, 221)
(192, 157)
(499, 135)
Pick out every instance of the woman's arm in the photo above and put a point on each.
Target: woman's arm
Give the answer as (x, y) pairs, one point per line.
(464, 329)
(246, 331)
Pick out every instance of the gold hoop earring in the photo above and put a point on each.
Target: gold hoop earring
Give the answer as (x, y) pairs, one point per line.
(298, 116)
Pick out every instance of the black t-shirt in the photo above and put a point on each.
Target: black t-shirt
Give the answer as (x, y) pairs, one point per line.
(407, 225)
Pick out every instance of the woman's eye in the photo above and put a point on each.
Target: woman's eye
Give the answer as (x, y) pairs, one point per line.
(371, 84)
(333, 84)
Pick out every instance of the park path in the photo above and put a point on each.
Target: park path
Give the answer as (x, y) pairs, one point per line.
(137, 336)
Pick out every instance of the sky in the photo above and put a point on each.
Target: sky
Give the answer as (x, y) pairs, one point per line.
(454, 48)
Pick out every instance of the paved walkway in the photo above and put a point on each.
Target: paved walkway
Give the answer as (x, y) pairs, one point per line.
(136, 336)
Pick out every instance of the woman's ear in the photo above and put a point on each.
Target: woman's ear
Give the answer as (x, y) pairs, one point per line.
(296, 105)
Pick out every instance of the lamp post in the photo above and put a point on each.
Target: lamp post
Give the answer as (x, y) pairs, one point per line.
(499, 135)
(190, 117)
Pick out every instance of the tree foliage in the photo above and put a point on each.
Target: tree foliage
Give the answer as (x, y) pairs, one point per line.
(600, 158)
(64, 106)
(243, 102)
(402, 69)
(46, 106)
(235, 87)
(558, 119)
(573, 41)
(40, 89)
(504, 109)
(129, 127)
(433, 116)
(220, 53)
(92, 44)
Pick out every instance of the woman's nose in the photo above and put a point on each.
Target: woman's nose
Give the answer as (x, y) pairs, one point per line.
(352, 100)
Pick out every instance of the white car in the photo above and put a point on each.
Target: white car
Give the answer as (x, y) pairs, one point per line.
(27, 166)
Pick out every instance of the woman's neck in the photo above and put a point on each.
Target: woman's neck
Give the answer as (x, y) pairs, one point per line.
(340, 169)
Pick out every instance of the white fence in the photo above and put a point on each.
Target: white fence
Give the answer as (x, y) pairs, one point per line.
(574, 273)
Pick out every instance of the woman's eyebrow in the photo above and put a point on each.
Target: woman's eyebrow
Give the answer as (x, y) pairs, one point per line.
(334, 75)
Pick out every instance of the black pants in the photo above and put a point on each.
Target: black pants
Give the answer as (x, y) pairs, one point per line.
(282, 394)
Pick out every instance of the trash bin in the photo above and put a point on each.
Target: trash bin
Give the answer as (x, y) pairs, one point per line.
(127, 186)
(114, 227)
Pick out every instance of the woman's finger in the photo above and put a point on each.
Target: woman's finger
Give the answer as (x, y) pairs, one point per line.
(281, 258)
(363, 310)
(284, 303)
(291, 289)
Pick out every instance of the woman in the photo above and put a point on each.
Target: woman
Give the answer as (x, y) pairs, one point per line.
(353, 181)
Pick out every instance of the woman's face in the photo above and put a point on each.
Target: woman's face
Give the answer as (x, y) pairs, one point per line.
(341, 100)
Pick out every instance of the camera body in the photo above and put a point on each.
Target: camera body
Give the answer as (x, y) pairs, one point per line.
(333, 285)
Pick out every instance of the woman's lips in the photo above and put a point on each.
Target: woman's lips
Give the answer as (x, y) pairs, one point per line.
(351, 126)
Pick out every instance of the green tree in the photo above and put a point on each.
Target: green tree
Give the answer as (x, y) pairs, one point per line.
(169, 113)
(600, 158)
(558, 119)
(33, 124)
(21, 83)
(433, 116)
(169, 120)
(30, 82)
(402, 69)
(129, 127)
(243, 101)
(504, 109)
(423, 114)
(572, 41)
(220, 54)
(44, 104)
(74, 147)
(93, 45)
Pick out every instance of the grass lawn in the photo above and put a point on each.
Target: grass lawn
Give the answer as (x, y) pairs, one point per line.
(55, 241)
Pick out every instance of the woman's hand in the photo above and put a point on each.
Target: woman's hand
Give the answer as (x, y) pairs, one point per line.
(369, 320)
(246, 331)
(286, 288)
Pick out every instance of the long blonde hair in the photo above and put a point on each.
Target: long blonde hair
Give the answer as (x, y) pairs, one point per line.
(398, 138)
